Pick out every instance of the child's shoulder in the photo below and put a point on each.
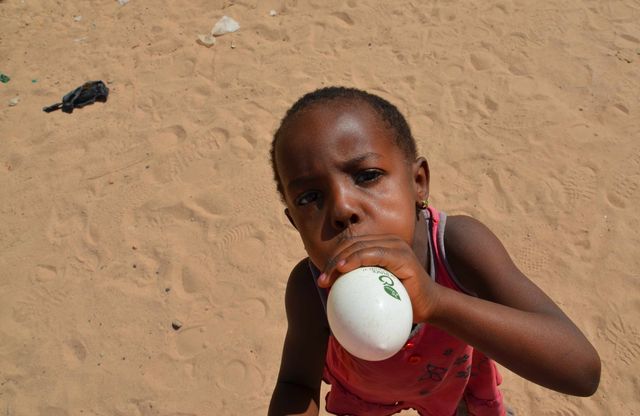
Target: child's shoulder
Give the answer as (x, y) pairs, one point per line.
(463, 230)
(302, 296)
(300, 278)
(475, 253)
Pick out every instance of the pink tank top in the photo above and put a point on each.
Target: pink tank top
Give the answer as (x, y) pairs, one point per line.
(431, 374)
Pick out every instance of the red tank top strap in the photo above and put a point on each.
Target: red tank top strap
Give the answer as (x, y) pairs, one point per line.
(442, 271)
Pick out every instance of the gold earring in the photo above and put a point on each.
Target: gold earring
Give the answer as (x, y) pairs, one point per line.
(424, 204)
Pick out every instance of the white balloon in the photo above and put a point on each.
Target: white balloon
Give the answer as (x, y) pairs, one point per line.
(369, 312)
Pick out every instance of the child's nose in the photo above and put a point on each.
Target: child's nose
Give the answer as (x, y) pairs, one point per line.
(345, 211)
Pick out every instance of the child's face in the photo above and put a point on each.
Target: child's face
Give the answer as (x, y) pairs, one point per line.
(344, 177)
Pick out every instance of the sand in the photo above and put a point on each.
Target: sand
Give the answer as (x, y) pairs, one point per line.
(157, 208)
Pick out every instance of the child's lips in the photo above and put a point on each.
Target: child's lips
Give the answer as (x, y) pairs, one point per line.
(346, 236)
(350, 235)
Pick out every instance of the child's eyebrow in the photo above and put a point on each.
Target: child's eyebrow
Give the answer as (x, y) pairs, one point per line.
(355, 161)
(347, 165)
(300, 181)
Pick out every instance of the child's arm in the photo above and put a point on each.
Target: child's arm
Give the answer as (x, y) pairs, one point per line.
(512, 321)
(297, 390)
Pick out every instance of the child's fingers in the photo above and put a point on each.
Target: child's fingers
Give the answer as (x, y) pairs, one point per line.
(358, 258)
(390, 254)
(349, 246)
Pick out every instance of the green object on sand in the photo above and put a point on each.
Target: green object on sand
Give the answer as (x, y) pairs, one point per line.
(4, 78)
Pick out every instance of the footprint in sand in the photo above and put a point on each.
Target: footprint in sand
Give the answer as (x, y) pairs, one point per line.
(490, 104)
(532, 257)
(244, 246)
(223, 292)
(443, 14)
(579, 185)
(218, 136)
(65, 221)
(161, 371)
(235, 234)
(191, 341)
(185, 64)
(149, 105)
(344, 18)
(253, 309)
(624, 190)
(42, 300)
(481, 61)
(243, 146)
(74, 352)
(196, 278)
(268, 33)
(210, 205)
(468, 105)
(545, 23)
(498, 196)
(69, 222)
(627, 41)
(165, 46)
(622, 108)
(167, 139)
(624, 336)
(241, 377)
(453, 72)
(45, 272)
(248, 254)
(516, 117)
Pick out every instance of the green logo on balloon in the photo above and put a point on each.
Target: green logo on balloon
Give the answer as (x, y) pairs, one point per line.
(387, 282)
(391, 291)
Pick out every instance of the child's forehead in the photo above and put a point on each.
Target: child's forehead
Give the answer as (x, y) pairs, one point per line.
(319, 120)
(334, 105)
(332, 135)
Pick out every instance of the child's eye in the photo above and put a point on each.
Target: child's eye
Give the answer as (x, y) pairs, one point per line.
(307, 198)
(367, 176)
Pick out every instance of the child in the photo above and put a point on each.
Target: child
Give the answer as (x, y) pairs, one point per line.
(345, 164)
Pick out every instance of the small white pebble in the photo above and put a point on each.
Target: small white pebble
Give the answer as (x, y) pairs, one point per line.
(14, 101)
(77, 18)
(273, 13)
(225, 25)
(206, 40)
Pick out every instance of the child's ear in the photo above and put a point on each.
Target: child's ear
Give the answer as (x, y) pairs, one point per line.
(421, 179)
(286, 212)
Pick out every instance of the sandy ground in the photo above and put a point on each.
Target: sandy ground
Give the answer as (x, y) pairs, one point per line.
(158, 206)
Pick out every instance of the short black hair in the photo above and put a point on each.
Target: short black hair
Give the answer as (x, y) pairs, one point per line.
(387, 112)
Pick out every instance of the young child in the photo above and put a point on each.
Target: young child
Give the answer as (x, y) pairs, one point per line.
(345, 164)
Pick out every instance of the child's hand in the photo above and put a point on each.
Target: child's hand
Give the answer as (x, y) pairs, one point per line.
(393, 254)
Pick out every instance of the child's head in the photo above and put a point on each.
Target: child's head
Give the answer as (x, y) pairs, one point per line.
(345, 164)
(386, 111)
